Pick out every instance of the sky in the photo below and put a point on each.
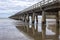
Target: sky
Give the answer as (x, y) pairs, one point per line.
(10, 7)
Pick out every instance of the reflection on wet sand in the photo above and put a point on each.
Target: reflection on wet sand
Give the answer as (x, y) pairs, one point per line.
(33, 31)
(8, 30)
(23, 30)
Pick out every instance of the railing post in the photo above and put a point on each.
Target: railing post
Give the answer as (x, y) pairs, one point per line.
(43, 1)
(43, 25)
(48, 1)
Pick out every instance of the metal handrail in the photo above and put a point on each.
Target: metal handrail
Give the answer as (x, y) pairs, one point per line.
(39, 4)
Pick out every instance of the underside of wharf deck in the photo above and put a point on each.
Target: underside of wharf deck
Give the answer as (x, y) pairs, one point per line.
(48, 9)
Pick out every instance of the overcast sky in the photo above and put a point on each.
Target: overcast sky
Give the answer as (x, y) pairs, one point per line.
(10, 7)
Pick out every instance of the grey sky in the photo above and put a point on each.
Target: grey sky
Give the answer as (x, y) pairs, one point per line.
(10, 7)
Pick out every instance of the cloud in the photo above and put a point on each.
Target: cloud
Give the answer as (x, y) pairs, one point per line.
(13, 6)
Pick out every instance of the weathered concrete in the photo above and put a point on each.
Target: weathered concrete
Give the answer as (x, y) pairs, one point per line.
(43, 8)
(43, 25)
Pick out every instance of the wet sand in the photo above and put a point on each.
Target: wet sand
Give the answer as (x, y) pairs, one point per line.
(8, 31)
(18, 30)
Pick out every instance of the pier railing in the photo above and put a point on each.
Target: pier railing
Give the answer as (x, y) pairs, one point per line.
(39, 4)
